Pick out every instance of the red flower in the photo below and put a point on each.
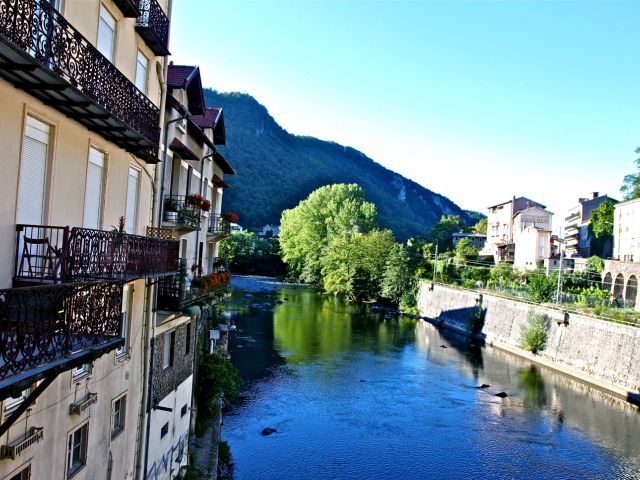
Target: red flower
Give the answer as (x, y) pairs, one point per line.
(231, 217)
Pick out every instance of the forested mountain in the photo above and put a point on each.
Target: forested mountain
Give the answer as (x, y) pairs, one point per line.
(276, 170)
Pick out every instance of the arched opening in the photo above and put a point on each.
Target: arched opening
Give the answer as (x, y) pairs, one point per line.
(618, 288)
(606, 283)
(631, 292)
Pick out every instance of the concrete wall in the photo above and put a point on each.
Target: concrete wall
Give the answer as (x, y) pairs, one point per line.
(598, 351)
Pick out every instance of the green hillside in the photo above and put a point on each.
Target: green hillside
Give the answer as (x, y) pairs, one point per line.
(275, 170)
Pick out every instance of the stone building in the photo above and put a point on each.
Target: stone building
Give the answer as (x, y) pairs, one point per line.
(81, 95)
(192, 183)
(579, 242)
(623, 270)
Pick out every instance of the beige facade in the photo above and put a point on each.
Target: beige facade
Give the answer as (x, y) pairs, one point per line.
(73, 157)
(626, 231)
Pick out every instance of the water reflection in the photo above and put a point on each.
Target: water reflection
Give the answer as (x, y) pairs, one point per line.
(355, 395)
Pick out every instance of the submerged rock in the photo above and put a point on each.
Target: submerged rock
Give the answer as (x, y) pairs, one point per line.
(484, 385)
(268, 431)
(502, 394)
(443, 346)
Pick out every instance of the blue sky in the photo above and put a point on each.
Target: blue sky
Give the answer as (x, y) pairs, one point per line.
(476, 100)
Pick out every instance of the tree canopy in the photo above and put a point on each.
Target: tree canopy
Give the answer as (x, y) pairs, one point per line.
(329, 212)
(631, 184)
(441, 232)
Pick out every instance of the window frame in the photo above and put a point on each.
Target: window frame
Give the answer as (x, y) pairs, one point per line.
(125, 325)
(103, 185)
(114, 29)
(81, 371)
(145, 81)
(118, 417)
(73, 469)
(168, 349)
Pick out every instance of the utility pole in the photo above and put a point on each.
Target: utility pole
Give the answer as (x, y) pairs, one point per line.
(559, 290)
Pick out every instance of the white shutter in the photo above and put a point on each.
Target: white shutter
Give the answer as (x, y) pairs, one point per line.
(132, 201)
(93, 193)
(141, 72)
(106, 33)
(33, 172)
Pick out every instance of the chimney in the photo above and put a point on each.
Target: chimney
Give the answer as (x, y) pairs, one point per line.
(594, 195)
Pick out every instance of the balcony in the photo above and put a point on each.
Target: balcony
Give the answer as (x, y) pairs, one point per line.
(41, 53)
(48, 254)
(218, 226)
(177, 293)
(129, 8)
(153, 26)
(179, 214)
(52, 328)
(219, 266)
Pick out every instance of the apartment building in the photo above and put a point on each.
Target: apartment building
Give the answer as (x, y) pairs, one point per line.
(81, 94)
(517, 231)
(579, 241)
(192, 189)
(621, 273)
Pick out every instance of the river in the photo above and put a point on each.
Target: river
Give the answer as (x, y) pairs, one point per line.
(353, 395)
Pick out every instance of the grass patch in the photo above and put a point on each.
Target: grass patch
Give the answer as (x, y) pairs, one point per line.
(535, 332)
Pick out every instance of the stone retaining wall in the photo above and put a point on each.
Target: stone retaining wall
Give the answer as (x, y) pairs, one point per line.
(596, 350)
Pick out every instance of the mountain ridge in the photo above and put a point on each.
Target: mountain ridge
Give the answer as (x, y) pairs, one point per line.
(277, 169)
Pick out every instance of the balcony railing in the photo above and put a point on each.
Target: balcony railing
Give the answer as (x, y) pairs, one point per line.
(153, 26)
(219, 265)
(176, 293)
(48, 254)
(178, 213)
(42, 53)
(218, 226)
(48, 326)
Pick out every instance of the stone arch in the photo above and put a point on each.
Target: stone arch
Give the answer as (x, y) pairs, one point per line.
(607, 282)
(631, 292)
(618, 286)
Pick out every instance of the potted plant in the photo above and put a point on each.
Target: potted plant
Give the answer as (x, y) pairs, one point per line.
(170, 210)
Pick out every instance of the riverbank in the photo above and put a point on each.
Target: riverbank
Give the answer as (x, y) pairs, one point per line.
(598, 352)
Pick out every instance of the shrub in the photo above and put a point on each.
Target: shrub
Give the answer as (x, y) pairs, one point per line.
(534, 334)
(541, 288)
(216, 376)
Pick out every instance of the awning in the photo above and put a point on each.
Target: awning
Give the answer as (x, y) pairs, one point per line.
(181, 149)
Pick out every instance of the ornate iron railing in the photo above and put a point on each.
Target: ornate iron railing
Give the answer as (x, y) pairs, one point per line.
(219, 226)
(44, 324)
(41, 31)
(176, 292)
(59, 254)
(177, 211)
(153, 26)
(219, 265)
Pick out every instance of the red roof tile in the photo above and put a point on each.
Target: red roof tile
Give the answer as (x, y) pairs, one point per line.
(209, 119)
(178, 76)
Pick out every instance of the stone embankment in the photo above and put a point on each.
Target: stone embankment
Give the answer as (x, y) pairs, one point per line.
(599, 352)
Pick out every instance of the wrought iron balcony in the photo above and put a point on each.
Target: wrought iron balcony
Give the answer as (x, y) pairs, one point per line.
(129, 8)
(153, 26)
(43, 54)
(177, 293)
(47, 254)
(55, 328)
(179, 214)
(218, 226)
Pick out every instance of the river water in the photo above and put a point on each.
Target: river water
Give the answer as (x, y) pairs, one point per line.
(353, 395)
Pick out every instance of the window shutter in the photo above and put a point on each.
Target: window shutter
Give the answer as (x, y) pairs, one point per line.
(106, 33)
(33, 172)
(132, 201)
(93, 194)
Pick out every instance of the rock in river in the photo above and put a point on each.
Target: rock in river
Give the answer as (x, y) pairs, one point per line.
(502, 394)
(268, 431)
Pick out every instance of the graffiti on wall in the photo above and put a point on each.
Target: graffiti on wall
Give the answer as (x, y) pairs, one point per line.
(170, 460)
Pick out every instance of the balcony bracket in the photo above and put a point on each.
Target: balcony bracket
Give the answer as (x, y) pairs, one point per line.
(15, 415)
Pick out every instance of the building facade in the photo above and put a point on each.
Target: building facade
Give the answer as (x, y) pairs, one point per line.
(81, 99)
(579, 241)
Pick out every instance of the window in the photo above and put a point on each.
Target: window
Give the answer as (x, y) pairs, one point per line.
(124, 326)
(82, 371)
(119, 408)
(93, 192)
(131, 212)
(77, 450)
(168, 349)
(142, 65)
(183, 410)
(33, 172)
(106, 33)
(164, 430)
(24, 474)
(187, 341)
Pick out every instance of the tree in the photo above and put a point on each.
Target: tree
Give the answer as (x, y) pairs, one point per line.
(480, 227)
(465, 249)
(354, 265)
(397, 278)
(601, 227)
(631, 184)
(329, 212)
(441, 232)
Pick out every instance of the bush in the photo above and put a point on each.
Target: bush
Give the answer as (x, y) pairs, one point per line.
(541, 288)
(216, 376)
(534, 334)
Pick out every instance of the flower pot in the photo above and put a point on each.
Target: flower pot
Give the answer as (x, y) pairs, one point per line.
(171, 217)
